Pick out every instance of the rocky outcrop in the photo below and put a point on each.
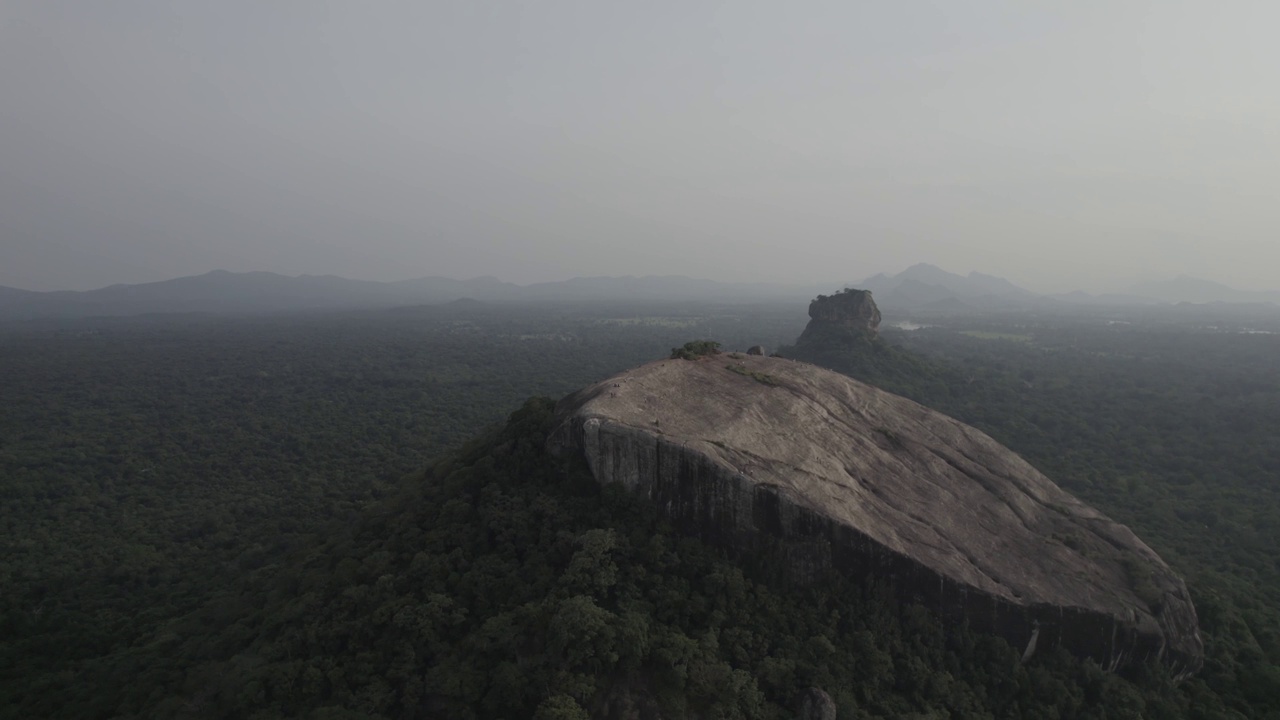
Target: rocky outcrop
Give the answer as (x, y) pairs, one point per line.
(815, 704)
(847, 314)
(750, 451)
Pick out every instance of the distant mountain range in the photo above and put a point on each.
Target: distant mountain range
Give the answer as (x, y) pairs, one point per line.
(1196, 290)
(226, 292)
(922, 287)
(926, 287)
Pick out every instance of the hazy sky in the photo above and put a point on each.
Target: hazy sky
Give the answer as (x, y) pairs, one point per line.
(1058, 144)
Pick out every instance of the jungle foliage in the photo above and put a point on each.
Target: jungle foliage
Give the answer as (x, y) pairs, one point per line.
(227, 518)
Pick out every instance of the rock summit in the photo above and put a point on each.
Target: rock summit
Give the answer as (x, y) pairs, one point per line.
(846, 314)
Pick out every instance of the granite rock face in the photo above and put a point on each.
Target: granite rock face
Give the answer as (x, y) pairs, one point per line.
(848, 313)
(747, 450)
(816, 704)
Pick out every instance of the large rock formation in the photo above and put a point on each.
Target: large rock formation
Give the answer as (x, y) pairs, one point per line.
(816, 704)
(847, 314)
(749, 451)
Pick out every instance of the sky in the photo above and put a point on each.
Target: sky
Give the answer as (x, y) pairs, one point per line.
(1062, 145)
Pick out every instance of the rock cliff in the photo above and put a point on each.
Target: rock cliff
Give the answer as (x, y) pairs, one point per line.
(847, 314)
(843, 335)
(748, 450)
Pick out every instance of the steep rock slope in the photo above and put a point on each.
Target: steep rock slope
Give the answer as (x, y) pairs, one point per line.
(744, 450)
(844, 315)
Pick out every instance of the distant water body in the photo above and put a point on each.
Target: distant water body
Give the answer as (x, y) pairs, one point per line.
(906, 325)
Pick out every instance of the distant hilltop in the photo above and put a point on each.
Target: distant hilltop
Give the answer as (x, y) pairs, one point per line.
(920, 288)
(925, 287)
(263, 292)
(846, 314)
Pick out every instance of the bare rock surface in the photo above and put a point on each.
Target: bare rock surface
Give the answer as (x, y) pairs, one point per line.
(816, 704)
(848, 312)
(853, 479)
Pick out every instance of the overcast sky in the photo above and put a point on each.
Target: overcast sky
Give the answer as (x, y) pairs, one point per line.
(1058, 144)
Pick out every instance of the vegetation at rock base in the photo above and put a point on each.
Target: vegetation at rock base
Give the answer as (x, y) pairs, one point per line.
(224, 519)
(866, 357)
(695, 349)
(762, 378)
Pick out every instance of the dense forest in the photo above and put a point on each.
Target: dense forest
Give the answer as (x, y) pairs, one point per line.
(218, 517)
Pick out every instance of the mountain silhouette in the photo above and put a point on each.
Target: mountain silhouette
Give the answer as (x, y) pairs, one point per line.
(221, 291)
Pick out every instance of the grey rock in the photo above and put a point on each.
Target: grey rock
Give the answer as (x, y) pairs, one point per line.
(756, 350)
(845, 314)
(856, 480)
(815, 704)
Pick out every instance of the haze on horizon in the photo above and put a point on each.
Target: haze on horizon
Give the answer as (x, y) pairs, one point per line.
(1086, 145)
